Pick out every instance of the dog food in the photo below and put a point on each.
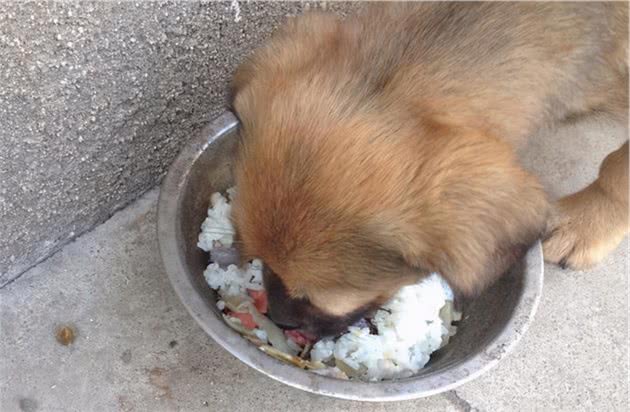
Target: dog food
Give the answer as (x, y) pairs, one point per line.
(395, 343)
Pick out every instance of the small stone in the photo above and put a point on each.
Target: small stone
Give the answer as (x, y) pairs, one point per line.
(65, 335)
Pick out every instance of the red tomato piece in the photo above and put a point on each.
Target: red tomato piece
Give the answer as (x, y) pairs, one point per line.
(246, 319)
(260, 299)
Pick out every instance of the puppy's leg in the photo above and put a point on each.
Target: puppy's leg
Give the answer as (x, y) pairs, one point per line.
(589, 224)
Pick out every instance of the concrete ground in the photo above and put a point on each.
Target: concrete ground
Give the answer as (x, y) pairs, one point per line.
(137, 349)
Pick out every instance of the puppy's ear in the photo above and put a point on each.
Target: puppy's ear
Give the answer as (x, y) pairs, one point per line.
(472, 214)
(243, 75)
(292, 48)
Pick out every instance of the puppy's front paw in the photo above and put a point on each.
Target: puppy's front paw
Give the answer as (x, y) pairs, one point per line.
(583, 229)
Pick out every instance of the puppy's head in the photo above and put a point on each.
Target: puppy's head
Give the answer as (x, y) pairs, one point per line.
(325, 266)
(344, 214)
(348, 196)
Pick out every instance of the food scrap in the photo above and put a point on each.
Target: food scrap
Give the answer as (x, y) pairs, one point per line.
(65, 335)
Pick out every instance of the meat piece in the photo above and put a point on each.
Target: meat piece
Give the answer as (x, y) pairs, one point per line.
(300, 337)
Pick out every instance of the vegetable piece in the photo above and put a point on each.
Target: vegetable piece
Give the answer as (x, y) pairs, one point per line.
(235, 302)
(349, 370)
(254, 340)
(274, 333)
(331, 372)
(306, 350)
(291, 359)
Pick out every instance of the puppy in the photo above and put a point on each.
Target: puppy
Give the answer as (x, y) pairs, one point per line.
(379, 149)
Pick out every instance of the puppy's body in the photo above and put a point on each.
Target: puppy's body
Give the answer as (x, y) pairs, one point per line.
(380, 149)
(505, 68)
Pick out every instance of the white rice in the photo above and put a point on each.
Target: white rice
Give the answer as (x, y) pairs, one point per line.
(234, 281)
(410, 327)
(217, 226)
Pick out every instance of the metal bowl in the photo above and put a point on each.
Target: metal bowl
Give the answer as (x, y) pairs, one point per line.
(493, 323)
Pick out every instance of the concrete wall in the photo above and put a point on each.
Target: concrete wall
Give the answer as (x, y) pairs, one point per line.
(96, 98)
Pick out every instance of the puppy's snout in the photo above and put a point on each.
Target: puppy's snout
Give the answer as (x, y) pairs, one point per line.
(277, 317)
(281, 310)
(291, 313)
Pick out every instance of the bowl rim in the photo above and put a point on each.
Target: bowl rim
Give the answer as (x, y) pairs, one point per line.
(428, 384)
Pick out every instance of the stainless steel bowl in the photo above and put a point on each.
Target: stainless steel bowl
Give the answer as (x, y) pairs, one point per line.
(492, 325)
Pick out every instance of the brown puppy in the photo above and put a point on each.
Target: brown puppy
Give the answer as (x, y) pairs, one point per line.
(379, 149)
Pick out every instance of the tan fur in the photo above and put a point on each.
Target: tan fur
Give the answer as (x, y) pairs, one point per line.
(379, 149)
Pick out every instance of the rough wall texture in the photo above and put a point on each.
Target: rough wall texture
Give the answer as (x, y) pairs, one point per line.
(96, 98)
